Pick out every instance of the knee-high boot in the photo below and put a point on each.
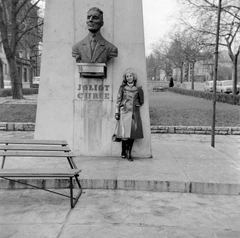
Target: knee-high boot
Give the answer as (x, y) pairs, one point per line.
(129, 149)
(124, 148)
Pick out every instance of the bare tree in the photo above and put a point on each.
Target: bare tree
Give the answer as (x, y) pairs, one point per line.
(169, 54)
(204, 13)
(194, 49)
(160, 53)
(176, 55)
(1, 74)
(151, 66)
(16, 25)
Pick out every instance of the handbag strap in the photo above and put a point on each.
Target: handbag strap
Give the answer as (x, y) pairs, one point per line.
(115, 131)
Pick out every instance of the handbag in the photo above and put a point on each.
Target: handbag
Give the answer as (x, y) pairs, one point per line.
(114, 136)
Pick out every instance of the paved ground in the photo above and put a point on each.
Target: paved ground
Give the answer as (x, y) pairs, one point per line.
(181, 163)
(130, 211)
(118, 213)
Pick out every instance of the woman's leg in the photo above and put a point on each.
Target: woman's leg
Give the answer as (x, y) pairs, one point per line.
(129, 149)
(124, 147)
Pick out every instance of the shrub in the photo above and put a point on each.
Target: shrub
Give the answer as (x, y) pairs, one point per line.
(220, 97)
(26, 91)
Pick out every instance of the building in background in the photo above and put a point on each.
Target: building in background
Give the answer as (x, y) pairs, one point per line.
(29, 49)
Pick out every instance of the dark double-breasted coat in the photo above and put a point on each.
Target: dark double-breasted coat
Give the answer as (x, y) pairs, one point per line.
(129, 101)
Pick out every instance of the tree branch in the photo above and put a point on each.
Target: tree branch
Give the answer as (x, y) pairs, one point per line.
(20, 7)
(27, 30)
(26, 14)
(4, 30)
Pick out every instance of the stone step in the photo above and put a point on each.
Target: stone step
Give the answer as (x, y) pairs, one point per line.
(138, 185)
(204, 130)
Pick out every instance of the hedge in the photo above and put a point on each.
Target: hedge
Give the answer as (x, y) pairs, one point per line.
(26, 91)
(220, 97)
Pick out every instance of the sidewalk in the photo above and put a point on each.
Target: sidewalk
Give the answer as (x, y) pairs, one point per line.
(180, 163)
(121, 211)
(118, 214)
(188, 189)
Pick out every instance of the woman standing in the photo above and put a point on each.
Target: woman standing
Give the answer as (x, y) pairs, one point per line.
(129, 99)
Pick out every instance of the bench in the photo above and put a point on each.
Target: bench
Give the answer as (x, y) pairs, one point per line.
(41, 149)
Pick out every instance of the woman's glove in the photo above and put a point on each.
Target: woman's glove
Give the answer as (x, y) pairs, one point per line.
(117, 116)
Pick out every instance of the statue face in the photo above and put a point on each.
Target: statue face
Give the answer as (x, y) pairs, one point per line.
(94, 21)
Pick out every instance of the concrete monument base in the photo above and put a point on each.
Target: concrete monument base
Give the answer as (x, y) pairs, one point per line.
(81, 110)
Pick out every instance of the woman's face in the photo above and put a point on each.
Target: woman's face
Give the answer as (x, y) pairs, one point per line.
(129, 78)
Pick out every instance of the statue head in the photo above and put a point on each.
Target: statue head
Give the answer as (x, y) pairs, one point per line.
(94, 19)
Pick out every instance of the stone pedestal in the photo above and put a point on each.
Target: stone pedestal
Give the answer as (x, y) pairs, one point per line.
(81, 110)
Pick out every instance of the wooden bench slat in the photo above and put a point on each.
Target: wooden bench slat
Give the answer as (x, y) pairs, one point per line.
(29, 141)
(35, 147)
(36, 154)
(39, 172)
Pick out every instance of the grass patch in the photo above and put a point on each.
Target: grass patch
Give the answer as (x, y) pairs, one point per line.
(166, 109)
(17, 112)
(171, 109)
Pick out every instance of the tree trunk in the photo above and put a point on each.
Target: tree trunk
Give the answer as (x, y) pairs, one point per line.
(192, 75)
(235, 76)
(31, 77)
(181, 74)
(234, 59)
(15, 80)
(1, 75)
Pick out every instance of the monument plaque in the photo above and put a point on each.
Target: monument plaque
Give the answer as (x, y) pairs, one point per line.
(94, 70)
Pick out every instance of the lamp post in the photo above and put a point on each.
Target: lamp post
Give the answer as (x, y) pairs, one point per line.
(215, 75)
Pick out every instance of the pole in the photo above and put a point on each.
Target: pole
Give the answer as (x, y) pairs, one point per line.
(215, 74)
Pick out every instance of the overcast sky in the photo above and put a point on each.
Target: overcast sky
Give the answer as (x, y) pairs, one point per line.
(158, 17)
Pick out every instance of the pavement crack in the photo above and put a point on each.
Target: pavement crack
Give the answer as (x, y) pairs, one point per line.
(65, 222)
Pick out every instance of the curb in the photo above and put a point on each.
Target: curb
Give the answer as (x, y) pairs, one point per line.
(17, 126)
(136, 185)
(203, 130)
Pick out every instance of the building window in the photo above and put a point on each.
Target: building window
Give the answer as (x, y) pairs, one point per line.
(25, 75)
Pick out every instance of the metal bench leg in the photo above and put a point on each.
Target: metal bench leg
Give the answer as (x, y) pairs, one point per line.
(3, 161)
(71, 193)
(72, 163)
(74, 200)
(78, 182)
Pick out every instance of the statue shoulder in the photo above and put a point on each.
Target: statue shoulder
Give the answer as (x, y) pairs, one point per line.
(81, 42)
(107, 43)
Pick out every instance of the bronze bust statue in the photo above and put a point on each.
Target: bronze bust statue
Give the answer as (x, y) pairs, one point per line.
(94, 48)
